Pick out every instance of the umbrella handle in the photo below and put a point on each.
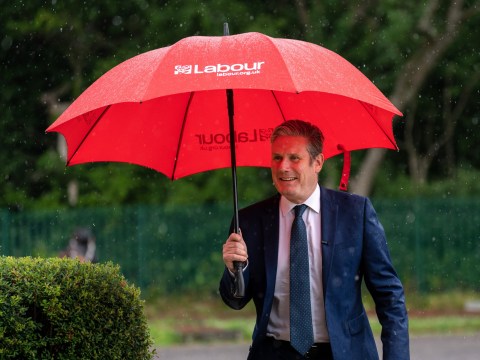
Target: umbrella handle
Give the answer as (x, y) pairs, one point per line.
(239, 282)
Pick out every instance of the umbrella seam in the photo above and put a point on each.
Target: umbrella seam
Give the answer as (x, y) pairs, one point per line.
(283, 61)
(177, 153)
(278, 105)
(378, 124)
(147, 89)
(88, 133)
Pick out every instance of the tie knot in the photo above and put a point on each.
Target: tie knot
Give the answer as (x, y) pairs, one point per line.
(299, 210)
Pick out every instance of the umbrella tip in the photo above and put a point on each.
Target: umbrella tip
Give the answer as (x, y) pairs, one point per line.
(226, 32)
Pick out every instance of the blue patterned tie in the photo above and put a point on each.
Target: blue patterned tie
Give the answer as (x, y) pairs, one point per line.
(301, 328)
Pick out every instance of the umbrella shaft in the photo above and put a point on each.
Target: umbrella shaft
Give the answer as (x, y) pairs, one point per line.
(231, 124)
(239, 281)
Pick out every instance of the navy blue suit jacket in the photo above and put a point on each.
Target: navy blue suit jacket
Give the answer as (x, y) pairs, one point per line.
(354, 248)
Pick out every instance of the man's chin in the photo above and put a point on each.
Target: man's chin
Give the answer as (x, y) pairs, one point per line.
(291, 195)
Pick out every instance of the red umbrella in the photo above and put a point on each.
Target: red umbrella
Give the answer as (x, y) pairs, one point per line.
(166, 109)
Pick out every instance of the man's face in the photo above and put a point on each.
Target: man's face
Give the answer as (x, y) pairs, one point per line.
(294, 174)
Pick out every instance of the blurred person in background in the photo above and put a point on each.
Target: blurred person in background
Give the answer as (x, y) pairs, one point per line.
(82, 246)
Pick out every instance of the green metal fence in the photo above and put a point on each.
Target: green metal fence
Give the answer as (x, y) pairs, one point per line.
(434, 243)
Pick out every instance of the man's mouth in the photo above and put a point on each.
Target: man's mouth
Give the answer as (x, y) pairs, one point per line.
(288, 178)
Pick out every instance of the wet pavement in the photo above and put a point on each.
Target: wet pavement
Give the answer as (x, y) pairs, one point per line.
(442, 347)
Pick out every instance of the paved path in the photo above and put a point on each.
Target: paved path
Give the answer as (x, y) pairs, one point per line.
(422, 348)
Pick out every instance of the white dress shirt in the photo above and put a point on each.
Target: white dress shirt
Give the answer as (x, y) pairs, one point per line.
(279, 324)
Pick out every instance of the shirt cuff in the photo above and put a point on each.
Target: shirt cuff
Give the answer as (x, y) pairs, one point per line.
(245, 265)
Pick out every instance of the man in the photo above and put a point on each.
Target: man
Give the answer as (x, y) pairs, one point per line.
(344, 243)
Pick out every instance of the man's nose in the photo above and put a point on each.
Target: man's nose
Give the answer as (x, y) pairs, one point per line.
(284, 164)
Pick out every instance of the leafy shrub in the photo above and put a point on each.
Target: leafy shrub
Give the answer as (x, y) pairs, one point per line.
(65, 309)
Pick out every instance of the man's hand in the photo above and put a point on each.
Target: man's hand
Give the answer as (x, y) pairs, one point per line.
(234, 249)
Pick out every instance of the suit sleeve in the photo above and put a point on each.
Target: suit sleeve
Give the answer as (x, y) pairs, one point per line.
(227, 288)
(386, 289)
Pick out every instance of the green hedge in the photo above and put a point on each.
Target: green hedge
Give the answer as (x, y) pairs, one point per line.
(64, 309)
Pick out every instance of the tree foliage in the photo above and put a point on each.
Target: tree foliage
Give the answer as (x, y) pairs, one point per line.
(424, 56)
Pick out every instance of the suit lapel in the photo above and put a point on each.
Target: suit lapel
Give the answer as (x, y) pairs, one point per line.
(329, 211)
(270, 228)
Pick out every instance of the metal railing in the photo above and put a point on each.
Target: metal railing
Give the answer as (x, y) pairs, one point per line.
(434, 243)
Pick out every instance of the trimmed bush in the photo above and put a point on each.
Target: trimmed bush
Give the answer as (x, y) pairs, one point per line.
(64, 309)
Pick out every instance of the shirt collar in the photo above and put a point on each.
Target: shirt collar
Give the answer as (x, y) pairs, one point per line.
(313, 202)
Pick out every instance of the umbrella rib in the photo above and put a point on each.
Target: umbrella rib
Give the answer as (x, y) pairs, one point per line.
(284, 63)
(376, 121)
(181, 136)
(278, 105)
(88, 133)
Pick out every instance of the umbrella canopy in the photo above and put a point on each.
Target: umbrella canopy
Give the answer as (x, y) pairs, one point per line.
(172, 109)
(167, 109)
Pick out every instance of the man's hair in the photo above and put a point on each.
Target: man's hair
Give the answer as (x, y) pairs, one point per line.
(301, 128)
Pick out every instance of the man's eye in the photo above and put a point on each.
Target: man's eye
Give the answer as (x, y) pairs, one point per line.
(276, 158)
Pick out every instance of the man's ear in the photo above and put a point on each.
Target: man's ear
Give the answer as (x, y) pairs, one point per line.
(318, 163)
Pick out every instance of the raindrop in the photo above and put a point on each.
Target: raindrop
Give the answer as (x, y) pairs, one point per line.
(410, 218)
(117, 20)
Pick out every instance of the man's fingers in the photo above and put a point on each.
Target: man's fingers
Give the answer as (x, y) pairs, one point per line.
(235, 238)
(234, 249)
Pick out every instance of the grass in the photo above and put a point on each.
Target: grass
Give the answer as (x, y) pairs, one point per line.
(186, 318)
(177, 320)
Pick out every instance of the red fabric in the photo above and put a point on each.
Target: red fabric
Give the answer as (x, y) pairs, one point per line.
(150, 111)
(345, 171)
